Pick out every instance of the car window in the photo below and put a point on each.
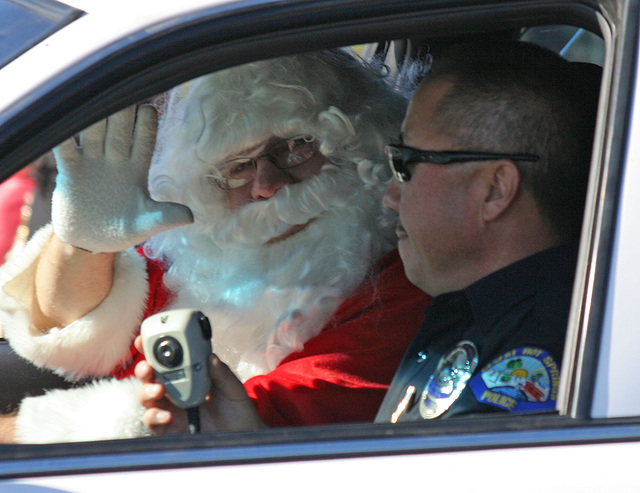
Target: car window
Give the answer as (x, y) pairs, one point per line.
(575, 44)
(196, 125)
(26, 23)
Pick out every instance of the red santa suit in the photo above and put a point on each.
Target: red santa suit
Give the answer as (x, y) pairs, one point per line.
(342, 374)
(339, 376)
(314, 343)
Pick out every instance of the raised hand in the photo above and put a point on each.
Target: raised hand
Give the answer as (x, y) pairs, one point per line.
(101, 202)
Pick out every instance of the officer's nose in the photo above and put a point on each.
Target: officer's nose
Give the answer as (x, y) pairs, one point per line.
(391, 197)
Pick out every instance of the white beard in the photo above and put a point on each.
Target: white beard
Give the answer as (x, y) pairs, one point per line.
(265, 301)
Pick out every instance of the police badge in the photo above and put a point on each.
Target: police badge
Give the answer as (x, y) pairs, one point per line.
(449, 379)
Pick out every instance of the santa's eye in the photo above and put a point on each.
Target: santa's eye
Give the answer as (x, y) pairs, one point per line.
(293, 152)
(239, 167)
(234, 173)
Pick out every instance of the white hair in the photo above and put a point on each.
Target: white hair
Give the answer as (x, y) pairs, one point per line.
(266, 300)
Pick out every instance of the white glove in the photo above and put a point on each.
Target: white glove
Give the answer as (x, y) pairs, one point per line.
(101, 202)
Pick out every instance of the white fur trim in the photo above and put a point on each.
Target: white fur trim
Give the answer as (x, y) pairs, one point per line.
(92, 345)
(103, 410)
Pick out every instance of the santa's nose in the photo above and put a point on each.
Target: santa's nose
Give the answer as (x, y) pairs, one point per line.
(269, 179)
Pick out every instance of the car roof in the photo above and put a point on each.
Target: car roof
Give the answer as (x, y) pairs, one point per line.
(102, 25)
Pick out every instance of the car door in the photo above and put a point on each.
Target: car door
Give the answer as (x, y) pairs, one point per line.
(587, 446)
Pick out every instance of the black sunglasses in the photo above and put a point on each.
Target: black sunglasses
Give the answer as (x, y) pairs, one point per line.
(400, 157)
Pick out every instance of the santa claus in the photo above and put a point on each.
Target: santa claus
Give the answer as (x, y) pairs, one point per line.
(263, 210)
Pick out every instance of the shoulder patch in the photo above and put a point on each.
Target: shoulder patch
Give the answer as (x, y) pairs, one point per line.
(523, 380)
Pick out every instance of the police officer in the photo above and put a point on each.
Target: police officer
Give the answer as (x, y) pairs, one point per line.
(489, 185)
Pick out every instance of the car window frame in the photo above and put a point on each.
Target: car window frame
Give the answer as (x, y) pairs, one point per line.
(83, 98)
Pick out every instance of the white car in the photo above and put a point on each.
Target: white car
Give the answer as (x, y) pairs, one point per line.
(66, 65)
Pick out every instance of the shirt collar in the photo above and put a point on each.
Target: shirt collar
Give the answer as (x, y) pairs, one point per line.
(494, 295)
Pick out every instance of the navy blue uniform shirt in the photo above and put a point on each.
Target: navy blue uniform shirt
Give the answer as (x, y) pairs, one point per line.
(516, 319)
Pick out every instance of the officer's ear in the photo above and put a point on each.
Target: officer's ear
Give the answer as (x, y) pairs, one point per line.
(502, 181)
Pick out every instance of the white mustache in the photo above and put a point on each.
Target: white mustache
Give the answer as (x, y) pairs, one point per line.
(256, 223)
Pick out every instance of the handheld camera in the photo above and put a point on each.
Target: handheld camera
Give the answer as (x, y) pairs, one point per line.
(176, 344)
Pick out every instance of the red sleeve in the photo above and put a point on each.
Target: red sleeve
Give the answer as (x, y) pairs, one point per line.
(157, 300)
(342, 374)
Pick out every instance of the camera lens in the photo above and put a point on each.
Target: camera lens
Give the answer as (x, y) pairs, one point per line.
(168, 352)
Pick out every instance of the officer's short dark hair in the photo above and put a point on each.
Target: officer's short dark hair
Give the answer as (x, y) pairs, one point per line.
(517, 97)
